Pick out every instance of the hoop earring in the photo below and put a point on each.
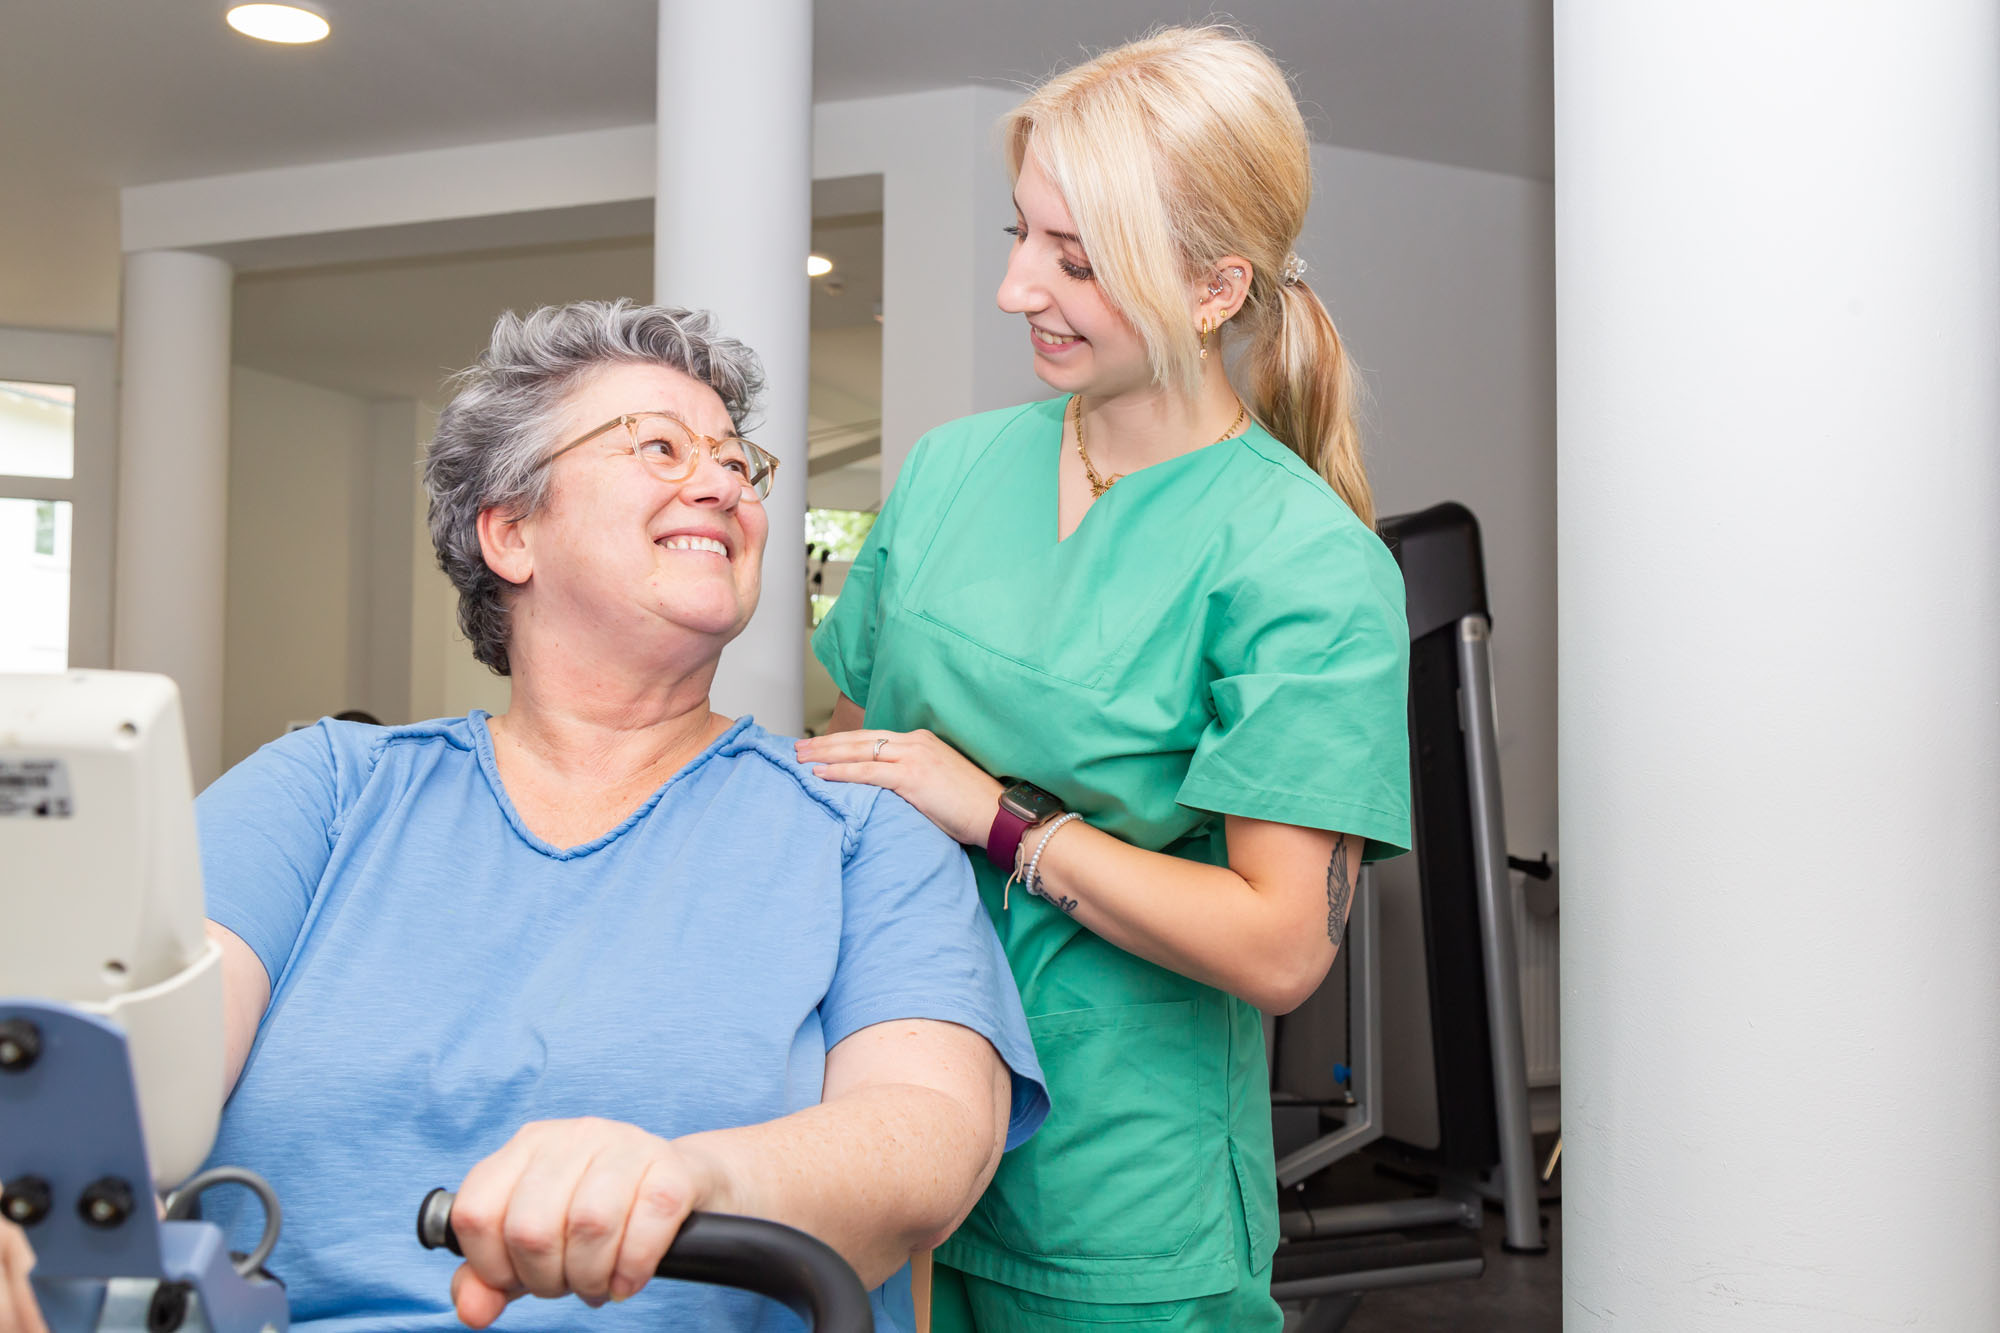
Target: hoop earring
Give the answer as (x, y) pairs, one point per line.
(1204, 337)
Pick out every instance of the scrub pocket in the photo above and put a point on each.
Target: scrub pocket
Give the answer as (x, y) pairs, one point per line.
(1047, 1312)
(1126, 1165)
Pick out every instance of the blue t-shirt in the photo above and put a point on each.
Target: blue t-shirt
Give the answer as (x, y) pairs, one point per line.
(441, 976)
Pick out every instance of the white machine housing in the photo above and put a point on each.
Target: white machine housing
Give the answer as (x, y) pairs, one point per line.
(100, 888)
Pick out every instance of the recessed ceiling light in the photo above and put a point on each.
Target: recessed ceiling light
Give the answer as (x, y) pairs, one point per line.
(818, 266)
(292, 24)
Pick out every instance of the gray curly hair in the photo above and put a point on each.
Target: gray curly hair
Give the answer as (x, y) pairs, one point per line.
(501, 423)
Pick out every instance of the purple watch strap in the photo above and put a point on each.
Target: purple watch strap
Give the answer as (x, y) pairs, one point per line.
(1003, 840)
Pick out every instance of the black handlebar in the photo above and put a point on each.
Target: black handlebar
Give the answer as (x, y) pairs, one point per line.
(800, 1272)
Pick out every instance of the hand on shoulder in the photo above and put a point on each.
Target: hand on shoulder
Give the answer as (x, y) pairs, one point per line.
(952, 792)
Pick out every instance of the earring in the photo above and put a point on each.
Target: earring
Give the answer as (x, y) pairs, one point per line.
(1204, 337)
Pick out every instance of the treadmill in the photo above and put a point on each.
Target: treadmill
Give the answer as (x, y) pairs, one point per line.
(1331, 1253)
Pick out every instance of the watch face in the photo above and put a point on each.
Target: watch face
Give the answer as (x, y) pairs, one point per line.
(1030, 802)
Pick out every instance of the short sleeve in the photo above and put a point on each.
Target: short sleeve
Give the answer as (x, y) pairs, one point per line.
(267, 828)
(845, 640)
(1310, 692)
(916, 943)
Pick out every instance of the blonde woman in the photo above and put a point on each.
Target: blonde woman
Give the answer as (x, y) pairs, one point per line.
(1140, 645)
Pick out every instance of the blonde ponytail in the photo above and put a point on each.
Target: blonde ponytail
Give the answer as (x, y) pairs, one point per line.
(1302, 390)
(1171, 152)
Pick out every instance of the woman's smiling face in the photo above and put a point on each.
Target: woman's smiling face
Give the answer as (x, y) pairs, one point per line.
(618, 546)
(1081, 344)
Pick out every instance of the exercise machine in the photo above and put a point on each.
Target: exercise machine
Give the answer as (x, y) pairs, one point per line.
(1477, 1059)
(111, 1046)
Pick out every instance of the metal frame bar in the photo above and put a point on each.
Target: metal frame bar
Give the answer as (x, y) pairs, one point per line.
(1375, 1279)
(1357, 1219)
(1519, 1194)
(1518, 1190)
(1364, 965)
(1365, 1125)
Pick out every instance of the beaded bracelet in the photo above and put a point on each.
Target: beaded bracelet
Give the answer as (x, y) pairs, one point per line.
(1031, 879)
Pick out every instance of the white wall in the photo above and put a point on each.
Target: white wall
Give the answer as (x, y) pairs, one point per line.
(921, 144)
(947, 349)
(59, 253)
(335, 597)
(292, 494)
(1442, 282)
(381, 588)
(1003, 369)
(445, 680)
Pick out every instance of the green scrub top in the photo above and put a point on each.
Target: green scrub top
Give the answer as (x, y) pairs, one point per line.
(1219, 635)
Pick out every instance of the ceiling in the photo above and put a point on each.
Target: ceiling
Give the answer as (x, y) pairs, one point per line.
(122, 92)
(100, 94)
(396, 328)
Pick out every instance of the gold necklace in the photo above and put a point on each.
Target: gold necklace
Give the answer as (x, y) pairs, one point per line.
(1098, 485)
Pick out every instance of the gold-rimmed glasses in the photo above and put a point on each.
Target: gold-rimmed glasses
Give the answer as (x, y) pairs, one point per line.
(670, 449)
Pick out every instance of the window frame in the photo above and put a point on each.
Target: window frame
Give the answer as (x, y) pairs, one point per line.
(89, 362)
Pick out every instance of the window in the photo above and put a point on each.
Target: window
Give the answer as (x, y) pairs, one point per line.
(833, 539)
(58, 396)
(34, 584)
(37, 439)
(37, 429)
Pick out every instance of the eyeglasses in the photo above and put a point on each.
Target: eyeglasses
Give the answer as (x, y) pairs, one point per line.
(671, 451)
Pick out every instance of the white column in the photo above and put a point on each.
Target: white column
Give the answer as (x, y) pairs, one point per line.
(383, 521)
(1778, 291)
(732, 226)
(173, 484)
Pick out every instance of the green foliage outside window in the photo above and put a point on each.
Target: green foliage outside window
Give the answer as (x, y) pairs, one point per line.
(832, 534)
(840, 531)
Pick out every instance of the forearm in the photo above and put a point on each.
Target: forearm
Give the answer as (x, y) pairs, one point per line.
(880, 1173)
(1266, 927)
(847, 715)
(1207, 922)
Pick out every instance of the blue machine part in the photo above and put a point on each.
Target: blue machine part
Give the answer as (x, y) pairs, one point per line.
(69, 1120)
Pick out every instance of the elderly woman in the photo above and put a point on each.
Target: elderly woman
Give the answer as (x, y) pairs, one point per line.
(627, 951)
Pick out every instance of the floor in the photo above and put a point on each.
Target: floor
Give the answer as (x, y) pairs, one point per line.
(1517, 1293)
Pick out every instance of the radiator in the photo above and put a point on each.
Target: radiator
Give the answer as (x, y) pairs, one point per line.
(1541, 1002)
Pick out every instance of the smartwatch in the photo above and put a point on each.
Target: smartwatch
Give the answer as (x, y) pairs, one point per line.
(1022, 806)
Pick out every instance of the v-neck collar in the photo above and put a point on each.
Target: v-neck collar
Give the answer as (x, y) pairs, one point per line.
(1050, 472)
(482, 744)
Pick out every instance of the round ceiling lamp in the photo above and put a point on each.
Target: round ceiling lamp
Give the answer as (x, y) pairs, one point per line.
(291, 24)
(818, 266)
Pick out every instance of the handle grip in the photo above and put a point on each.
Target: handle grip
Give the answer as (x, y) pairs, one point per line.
(800, 1272)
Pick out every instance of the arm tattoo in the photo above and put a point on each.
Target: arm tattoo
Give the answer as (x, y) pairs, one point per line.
(1339, 892)
(1067, 904)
